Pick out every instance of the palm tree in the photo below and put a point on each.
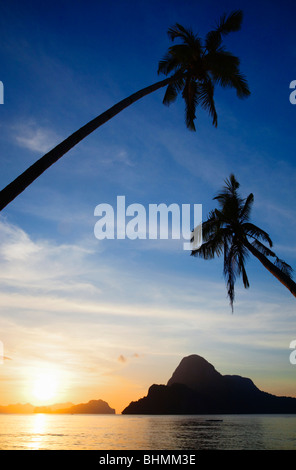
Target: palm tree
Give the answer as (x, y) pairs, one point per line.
(228, 230)
(193, 68)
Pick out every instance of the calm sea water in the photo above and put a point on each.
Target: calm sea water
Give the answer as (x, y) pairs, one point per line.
(139, 432)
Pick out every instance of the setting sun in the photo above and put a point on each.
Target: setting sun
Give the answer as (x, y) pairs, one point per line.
(45, 387)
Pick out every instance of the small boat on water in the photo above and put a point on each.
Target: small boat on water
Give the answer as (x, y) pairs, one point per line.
(215, 420)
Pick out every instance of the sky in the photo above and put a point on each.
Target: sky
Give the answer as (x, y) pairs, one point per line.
(105, 319)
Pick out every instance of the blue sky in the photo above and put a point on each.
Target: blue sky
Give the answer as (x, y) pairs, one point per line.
(121, 313)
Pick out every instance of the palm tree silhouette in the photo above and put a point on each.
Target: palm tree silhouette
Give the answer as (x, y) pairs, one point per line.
(228, 230)
(193, 68)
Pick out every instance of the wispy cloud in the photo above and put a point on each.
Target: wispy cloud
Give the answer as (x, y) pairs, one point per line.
(35, 138)
(31, 265)
(122, 359)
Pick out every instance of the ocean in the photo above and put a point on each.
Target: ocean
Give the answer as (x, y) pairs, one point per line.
(142, 432)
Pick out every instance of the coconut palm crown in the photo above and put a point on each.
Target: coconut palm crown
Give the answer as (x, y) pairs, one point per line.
(198, 66)
(228, 231)
(192, 69)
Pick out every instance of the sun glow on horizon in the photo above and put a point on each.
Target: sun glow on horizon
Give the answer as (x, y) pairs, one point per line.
(45, 386)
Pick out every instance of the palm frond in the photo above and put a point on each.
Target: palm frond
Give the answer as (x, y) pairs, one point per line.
(190, 97)
(205, 97)
(284, 267)
(178, 58)
(230, 23)
(225, 26)
(279, 263)
(166, 65)
(170, 94)
(181, 53)
(229, 274)
(263, 249)
(172, 91)
(253, 231)
(210, 249)
(169, 64)
(224, 68)
(178, 31)
(245, 277)
(246, 210)
(242, 254)
(211, 225)
(239, 83)
(231, 185)
(229, 198)
(234, 266)
(213, 41)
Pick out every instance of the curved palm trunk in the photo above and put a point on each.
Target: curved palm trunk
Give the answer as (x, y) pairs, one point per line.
(274, 270)
(12, 190)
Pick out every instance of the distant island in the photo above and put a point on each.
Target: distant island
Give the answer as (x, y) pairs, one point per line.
(92, 407)
(197, 388)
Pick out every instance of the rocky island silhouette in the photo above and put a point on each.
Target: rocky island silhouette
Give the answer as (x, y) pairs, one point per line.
(91, 407)
(196, 387)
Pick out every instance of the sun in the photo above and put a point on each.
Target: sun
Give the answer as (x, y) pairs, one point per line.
(45, 387)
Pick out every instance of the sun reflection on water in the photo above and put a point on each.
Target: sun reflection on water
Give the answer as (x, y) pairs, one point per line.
(136, 432)
(39, 425)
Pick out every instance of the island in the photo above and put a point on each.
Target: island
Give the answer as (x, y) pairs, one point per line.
(196, 387)
(92, 407)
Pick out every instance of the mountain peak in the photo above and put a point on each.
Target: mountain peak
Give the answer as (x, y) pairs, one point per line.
(195, 372)
(197, 388)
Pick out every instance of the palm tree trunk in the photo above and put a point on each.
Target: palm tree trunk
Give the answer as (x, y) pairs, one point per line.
(12, 190)
(274, 270)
